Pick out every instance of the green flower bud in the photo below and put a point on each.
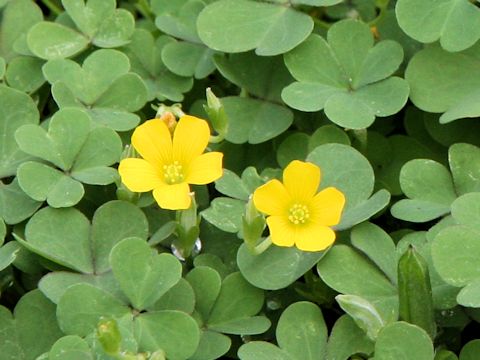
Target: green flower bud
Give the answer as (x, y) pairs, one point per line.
(109, 336)
(216, 113)
(415, 291)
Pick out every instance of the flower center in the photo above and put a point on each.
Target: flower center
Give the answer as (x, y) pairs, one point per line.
(298, 214)
(173, 173)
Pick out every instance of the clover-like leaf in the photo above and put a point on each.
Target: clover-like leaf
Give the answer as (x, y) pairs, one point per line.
(254, 121)
(31, 330)
(347, 76)
(24, 207)
(83, 154)
(17, 18)
(453, 90)
(341, 164)
(16, 109)
(429, 187)
(301, 335)
(103, 86)
(264, 77)
(145, 53)
(25, 73)
(225, 214)
(403, 341)
(456, 23)
(99, 23)
(78, 245)
(143, 275)
(347, 339)
(242, 25)
(104, 25)
(359, 277)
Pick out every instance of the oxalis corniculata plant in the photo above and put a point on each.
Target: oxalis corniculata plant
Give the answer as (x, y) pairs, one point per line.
(239, 179)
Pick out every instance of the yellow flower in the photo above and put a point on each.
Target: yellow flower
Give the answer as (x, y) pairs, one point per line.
(170, 165)
(298, 215)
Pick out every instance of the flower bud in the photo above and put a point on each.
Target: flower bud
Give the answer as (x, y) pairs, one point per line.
(109, 336)
(216, 113)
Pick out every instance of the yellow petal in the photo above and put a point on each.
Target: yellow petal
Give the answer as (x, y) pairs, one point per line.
(301, 180)
(314, 237)
(173, 197)
(153, 142)
(139, 175)
(190, 139)
(282, 231)
(272, 198)
(327, 206)
(205, 169)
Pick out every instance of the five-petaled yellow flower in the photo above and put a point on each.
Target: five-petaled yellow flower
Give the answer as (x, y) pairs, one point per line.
(298, 215)
(170, 165)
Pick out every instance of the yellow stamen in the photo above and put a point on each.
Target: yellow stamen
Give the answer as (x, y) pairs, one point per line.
(173, 173)
(298, 214)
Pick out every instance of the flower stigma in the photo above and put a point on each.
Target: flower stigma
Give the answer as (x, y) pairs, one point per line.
(298, 214)
(173, 173)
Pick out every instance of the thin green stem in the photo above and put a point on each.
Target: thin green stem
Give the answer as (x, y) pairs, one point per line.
(144, 8)
(260, 248)
(215, 139)
(54, 8)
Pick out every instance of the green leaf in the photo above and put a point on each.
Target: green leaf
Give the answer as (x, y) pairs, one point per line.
(230, 184)
(178, 19)
(237, 300)
(206, 283)
(464, 162)
(130, 221)
(70, 347)
(103, 85)
(264, 77)
(25, 73)
(402, 341)
(466, 210)
(55, 283)
(143, 275)
(24, 207)
(347, 339)
(81, 307)
(17, 17)
(294, 147)
(145, 53)
(469, 296)
(67, 132)
(188, 59)
(49, 40)
(454, 90)
(3, 231)
(254, 121)
(363, 313)
(44, 183)
(347, 76)
(242, 25)
(275, 268)
(455, 251)
(364, 210)
(225, 213)
(16, 109)
(261, 350)
(430, 189)
(357, 276)
(32, 332)
(455, 23)
(328, 134)
(61, 235)
(180, 297)
(470, 350)
(339, 165)
(302, 332)
(8, 253)
(212, 345)
(378, 246)
(174, 332)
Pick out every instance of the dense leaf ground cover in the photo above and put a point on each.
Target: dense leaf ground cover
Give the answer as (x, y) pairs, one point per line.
(206, 179)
